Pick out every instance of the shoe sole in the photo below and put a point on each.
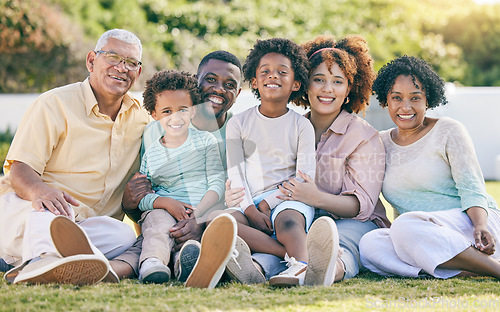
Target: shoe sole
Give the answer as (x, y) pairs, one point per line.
(156, 278)
(189, 254)
(69, 245)
(86, 270)
(322, 249)
(246, 272)
(75, 244)
(217, 244)
(282, 281)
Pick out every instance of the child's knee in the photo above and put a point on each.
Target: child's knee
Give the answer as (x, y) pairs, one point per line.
(288, 220)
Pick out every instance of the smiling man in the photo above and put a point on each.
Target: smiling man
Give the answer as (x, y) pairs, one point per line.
(72, 155)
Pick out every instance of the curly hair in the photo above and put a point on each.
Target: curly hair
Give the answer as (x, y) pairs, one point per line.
(169, 80)
(418, 69)
(352, 56)
(283, 46)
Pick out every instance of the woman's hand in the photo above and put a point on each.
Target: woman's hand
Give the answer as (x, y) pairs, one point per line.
(484, 240)
(300, 191)
(233, 197)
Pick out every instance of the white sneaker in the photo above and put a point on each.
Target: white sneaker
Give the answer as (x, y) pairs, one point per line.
(152, 270)
(71, 240)
(323, 251)
(292, 276)
(76, 270)
(241, 266)
(217, 245)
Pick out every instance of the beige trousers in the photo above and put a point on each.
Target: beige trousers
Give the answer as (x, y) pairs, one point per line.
(24, 232)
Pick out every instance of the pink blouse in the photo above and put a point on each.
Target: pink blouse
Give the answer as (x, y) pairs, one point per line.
(350, 160)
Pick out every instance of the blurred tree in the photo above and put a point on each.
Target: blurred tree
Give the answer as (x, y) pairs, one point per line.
(477, 33)
(35, 47)
(177, 33)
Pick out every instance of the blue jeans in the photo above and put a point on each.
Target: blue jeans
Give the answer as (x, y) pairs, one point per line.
(350, 233)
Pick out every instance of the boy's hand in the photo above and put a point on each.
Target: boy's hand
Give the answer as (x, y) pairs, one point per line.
(177, 209)
(259, 220)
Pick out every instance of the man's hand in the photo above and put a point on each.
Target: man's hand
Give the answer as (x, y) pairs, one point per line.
(54, 200)
(186, 230)
(28, 185)
(258, 219)
(135, 190)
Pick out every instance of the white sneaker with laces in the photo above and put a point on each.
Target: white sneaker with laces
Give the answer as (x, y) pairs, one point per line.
(292, 276)
(241, 266)
(323, 251)
(152, 270)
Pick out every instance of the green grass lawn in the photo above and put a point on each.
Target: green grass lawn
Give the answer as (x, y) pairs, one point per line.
(367, 292)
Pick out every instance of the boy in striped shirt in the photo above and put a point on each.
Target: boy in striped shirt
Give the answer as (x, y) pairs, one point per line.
(184, 167)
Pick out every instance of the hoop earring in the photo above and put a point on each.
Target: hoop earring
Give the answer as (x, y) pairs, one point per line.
(346, 100)
(304, 97)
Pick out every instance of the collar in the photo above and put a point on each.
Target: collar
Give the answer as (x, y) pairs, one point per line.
(340, 124)
(91, 104)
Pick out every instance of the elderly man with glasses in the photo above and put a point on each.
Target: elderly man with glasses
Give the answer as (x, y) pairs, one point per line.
(67, 167)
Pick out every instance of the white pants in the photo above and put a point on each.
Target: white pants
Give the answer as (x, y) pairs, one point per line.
(418, 242)
(25, 232)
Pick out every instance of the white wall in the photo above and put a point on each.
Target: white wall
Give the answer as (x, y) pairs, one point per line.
(478, 108)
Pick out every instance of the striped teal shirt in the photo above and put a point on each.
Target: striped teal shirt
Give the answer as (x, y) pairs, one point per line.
(184, 173)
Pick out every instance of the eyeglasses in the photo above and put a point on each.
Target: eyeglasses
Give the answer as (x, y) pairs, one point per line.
(115, 60)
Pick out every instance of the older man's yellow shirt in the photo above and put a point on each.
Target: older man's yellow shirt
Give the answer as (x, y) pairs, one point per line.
(75, 148)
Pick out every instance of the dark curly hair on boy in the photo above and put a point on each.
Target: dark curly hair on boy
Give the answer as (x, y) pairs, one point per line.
(283, 46)
(352, 56)
(170, 80)
(432, 85)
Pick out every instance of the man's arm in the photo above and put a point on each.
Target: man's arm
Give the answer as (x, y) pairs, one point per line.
(28, 185)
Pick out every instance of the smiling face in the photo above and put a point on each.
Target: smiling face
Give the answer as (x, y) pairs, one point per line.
(219, 83)
(327, 90)
(407, 103)
(108, 80)
(275, 79)
(174, 110)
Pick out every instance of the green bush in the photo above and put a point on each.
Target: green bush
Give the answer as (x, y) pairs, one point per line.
(5, 139)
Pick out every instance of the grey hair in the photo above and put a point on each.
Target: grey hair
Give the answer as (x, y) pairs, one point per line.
(119, 34)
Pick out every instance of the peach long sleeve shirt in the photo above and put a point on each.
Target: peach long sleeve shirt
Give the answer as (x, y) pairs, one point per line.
(350, 160)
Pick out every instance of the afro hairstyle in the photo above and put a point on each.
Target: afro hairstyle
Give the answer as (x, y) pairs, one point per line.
(432, 85)
(285, 47)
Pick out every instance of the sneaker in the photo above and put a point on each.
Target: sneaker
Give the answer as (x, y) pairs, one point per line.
(292, 276)
(323, 250)
(4, 267)
(152, 270)
(241, 266)
(188, 255)
(76, 270)
(70, 240)
(217, 244)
